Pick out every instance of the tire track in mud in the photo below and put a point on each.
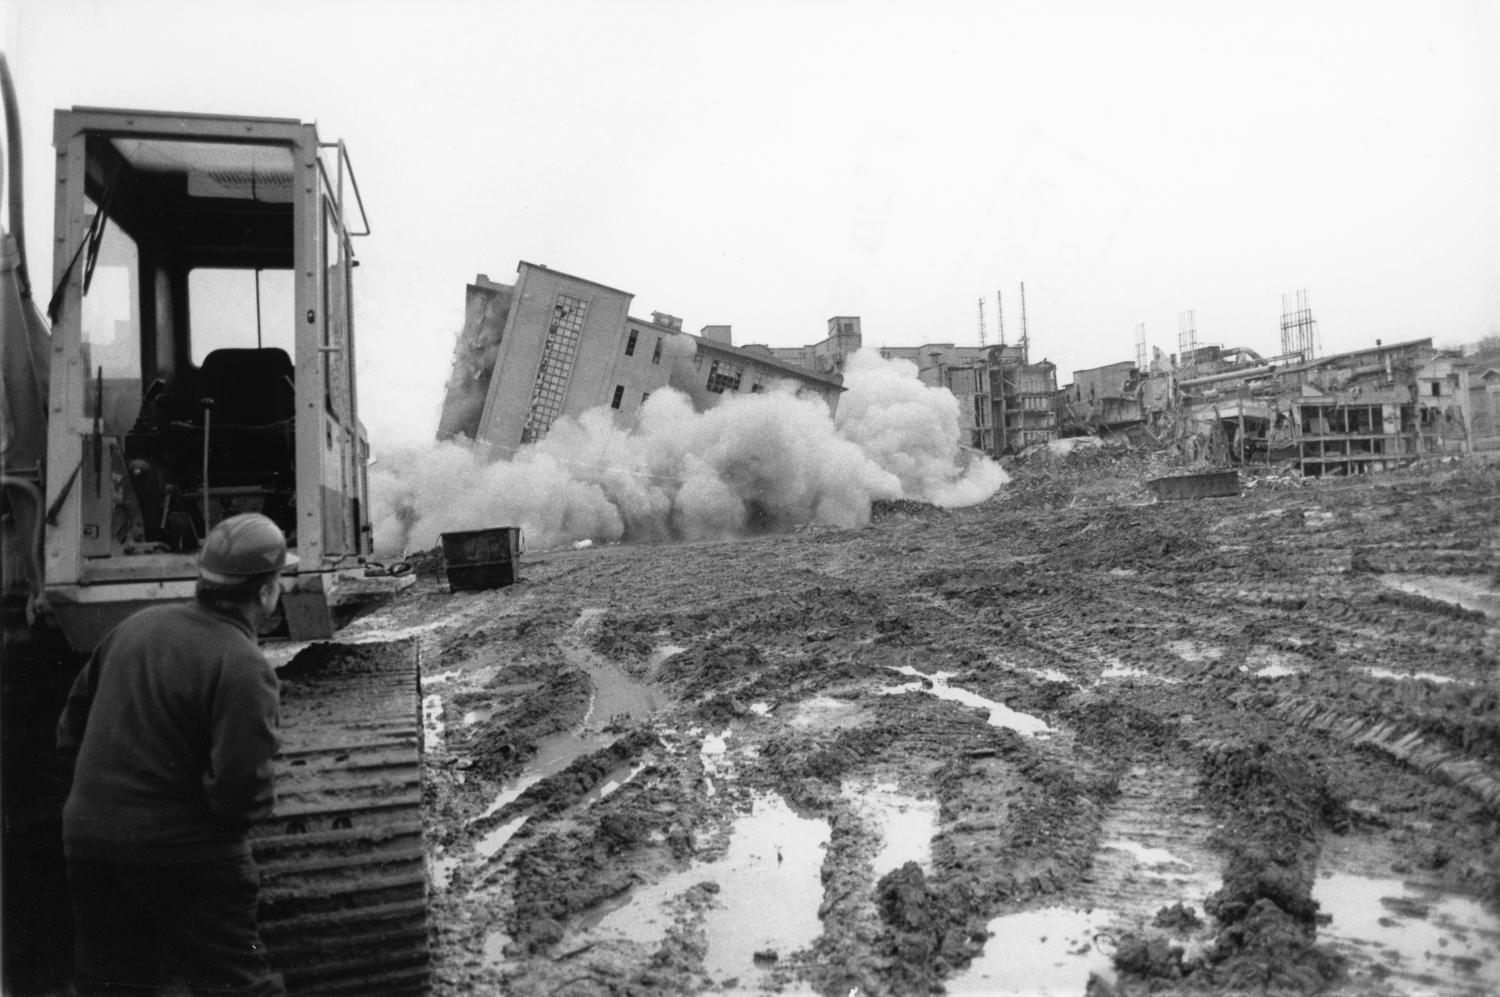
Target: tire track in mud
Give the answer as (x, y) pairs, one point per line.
(1154, 849)
(1110, 811)
(1400, 742)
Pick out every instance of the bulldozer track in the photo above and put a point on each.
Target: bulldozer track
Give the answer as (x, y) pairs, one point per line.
(342, 860)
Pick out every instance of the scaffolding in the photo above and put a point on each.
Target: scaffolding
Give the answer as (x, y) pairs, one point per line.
(1299, 330)
(1187, 342)
(1025, 357)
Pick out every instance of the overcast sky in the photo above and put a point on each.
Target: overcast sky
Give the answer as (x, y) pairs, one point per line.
(769, 164)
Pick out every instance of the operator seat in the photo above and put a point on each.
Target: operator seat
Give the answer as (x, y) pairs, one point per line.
(250, 387)
(250, 424)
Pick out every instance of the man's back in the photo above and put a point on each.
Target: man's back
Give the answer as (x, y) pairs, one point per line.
(173, 722)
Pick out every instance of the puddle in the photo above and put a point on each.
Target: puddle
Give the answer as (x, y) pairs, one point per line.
(1151, 858)
(1386, 673)
(554, 753)
(473, 717)
(770, 887)
(1438, 942)
(1271, 663)
(1119, 670)
(907, 825)
(612, 782)
(824, 712)
(513, 792)
(433, 728)
(1192, 651)
(616, 697)
(441, 871)
(493, 952)
(440, 677)
(761, 709)
(1050, 675)
(1000, 714)
(662, 653)
(490, 845)
(713, 756)
(1042, 953)
(1470, 593)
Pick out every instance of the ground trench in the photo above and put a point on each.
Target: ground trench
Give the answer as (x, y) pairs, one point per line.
(1241, 731)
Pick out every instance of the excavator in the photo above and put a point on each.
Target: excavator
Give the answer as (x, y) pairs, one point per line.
(191, 357)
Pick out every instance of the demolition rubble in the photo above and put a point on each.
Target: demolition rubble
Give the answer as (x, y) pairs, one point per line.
(1073, 739)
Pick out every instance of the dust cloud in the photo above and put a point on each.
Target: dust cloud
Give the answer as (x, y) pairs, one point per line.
(754, 463)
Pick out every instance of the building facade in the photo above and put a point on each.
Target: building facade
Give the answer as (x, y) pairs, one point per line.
(1024, 399)
(554, 345)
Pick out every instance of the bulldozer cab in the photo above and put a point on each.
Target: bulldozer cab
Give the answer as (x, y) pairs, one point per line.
(202, 358)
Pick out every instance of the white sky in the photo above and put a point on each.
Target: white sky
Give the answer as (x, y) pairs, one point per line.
(769, 164)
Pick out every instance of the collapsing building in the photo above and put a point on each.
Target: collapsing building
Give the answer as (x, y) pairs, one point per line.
(1005, 402)
(1347, 413)
(554, 345)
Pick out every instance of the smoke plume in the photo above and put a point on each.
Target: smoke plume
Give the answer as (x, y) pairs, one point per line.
(756, 462)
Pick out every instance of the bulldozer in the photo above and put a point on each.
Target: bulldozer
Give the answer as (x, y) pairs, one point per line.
(197, 360)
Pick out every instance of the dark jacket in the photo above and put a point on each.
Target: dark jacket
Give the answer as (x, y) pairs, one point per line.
(169, 732)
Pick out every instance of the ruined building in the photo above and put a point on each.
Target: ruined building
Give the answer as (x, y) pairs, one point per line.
(1347, 413)
(826, 357)
(553, 345)
(1005, 403)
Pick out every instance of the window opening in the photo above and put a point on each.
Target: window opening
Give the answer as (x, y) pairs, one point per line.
(630, 343)
(556, 366)
(111, 327)
(724, 376)
(656, 353)
(240, 309)
(619, 396)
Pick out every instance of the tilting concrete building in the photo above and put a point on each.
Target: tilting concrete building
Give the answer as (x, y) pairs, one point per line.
(554, 345)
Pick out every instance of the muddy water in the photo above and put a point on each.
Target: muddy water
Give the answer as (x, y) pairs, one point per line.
(906, 824)
(1000, 715)
(1421, 940)
(612, 782)
(1386, 673)
(617, 697)
(1470, 593)
(434, 731)
(614, 697)
(768, 891)
(1041, 953)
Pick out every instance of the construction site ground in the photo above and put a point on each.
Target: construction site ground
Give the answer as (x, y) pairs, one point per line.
(1070, 740)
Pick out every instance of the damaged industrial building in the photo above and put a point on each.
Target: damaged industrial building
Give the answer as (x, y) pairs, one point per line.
(1347, 413)
(553, 345)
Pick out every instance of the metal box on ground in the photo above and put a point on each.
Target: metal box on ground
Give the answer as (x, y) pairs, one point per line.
(482, 559)
(1209, 484)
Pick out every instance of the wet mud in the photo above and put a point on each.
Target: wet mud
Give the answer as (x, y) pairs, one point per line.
(1071, 737)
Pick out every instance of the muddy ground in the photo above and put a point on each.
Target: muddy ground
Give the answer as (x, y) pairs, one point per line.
(1071, 740)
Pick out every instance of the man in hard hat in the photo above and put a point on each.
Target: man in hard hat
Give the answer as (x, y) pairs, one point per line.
(169, 732)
